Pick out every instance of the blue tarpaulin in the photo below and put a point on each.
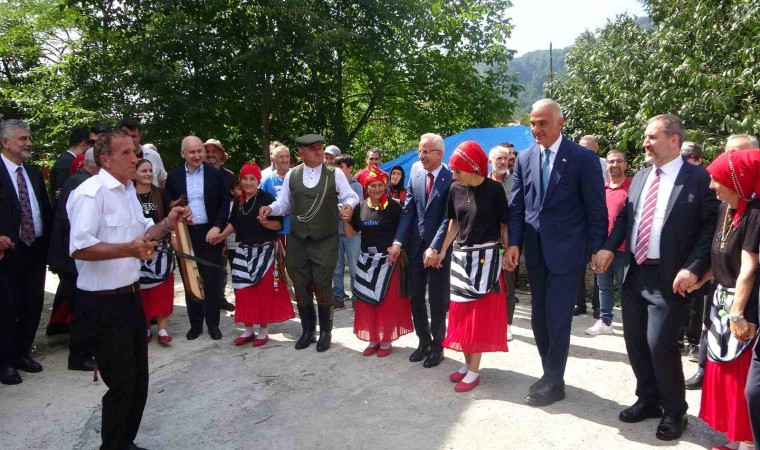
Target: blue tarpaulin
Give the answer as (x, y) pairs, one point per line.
(518, 135)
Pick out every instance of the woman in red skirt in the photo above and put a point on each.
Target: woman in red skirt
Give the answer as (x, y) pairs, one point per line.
(261, 297)
(156, 275)
(383, 311)
(477, 215)
(732, 318)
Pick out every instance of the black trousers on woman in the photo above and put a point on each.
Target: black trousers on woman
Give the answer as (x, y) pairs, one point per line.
(121, 352)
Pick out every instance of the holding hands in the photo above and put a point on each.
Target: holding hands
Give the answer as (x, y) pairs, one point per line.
(5, 244)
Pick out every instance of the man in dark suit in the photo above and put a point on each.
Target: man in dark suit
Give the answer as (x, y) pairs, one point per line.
(209, 201)
(558, 213)
(668, 221)
(79, 141)
(24, 237)
(422, 227)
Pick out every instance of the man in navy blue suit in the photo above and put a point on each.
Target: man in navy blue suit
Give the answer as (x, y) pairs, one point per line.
(558, 213)
(423, 222)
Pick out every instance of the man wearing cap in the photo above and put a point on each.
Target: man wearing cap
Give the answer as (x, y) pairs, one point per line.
(209, 199)
(215, 157)
(310, 193)
(330, 153)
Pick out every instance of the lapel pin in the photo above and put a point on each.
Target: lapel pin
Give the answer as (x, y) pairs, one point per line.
(564, 160)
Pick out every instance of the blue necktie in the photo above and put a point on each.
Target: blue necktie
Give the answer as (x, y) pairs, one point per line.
(545, 172)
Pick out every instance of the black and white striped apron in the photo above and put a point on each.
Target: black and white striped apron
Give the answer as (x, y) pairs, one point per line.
(157, 270)
(475, 271)
(251, 263)
(722, 345)
(372, 277)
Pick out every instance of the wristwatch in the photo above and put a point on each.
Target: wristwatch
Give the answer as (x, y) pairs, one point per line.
(735, 317)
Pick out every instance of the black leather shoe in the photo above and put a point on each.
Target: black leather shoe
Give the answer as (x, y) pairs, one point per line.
(435, 358)
(29, 365)
(546, 395)
(194, 333)
(86, 366)
(9, 375)
(132, 446)
(57, 328)
(215, 333)
(640, 411)
(577, 311)
(420, 353)
(227, 306)
(538, 384)
(695, 382)
(671, 426)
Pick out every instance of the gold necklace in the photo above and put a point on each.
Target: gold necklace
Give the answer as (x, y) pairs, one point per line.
(723, 232)
(242, 207)
(146, 207)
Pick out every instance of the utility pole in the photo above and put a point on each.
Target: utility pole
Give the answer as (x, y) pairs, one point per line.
(551, 71)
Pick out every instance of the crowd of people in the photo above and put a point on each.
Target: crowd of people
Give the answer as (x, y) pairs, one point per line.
(435, 252)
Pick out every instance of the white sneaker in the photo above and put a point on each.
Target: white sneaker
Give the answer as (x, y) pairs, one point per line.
(600, 328)
(510, 338)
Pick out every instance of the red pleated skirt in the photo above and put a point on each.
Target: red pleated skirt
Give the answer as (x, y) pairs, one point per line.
(724, 405)
(158, 301)
(479, 326)
(387, 321)
(261, 304)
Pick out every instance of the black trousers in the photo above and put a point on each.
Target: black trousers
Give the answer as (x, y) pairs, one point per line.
(697, 302)
(753, 393)
(81, 330)
(437, 284)
(22, 289)
(118, 340)
(510, 278)
(653, 325)
(213, 281)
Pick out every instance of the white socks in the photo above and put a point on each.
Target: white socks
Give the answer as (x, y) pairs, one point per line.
(464, 369)
(148, 332)
(162, 332)
(470, 377)
(248, 331)
(262, 332)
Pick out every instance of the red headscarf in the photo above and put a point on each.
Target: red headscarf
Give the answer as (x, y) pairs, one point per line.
(77, 164)
(469, 157)
(374, 173)
(249, 168)
(738, 170)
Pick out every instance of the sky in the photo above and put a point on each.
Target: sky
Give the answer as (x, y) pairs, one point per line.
(538, 22)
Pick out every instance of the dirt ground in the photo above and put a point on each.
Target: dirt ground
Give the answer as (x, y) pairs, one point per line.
(207, 394)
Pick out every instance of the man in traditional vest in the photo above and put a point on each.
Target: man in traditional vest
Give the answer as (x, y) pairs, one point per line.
(312, 194)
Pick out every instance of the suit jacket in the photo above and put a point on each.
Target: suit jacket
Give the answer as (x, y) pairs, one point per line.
(690, 221)
(216, 197)
(572, 218)
(58, 255)
(59, 173)
(422, 220)
(10, 208)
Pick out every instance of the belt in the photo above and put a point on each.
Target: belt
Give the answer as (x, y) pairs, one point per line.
(651, 262)
(131, 289)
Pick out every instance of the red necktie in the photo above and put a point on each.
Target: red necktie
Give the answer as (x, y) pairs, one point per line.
(647, 216)
(429, 189)
(27, 223)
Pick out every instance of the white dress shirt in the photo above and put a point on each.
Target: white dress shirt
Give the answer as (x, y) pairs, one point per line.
(667, 181)
(195, 191)
(103, 210)
(36, 212)
(553, 149)
(346, 195)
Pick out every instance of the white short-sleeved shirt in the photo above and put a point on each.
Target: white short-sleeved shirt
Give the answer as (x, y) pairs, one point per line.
(159, 172)
(103, 210)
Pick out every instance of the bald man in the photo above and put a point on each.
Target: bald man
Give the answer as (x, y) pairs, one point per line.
(209, 200)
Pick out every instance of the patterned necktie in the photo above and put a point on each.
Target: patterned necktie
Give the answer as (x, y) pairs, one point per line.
(27, 223)
(647, 216)
(429, 188)
(545, 172)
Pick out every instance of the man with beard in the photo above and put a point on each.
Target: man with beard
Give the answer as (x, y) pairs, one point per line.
(667, 223)
(502, 161)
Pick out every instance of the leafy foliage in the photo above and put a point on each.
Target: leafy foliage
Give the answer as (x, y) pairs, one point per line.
(698, 61)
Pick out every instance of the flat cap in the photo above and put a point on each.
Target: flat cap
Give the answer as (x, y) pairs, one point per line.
(309, 139)
(333, 150)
